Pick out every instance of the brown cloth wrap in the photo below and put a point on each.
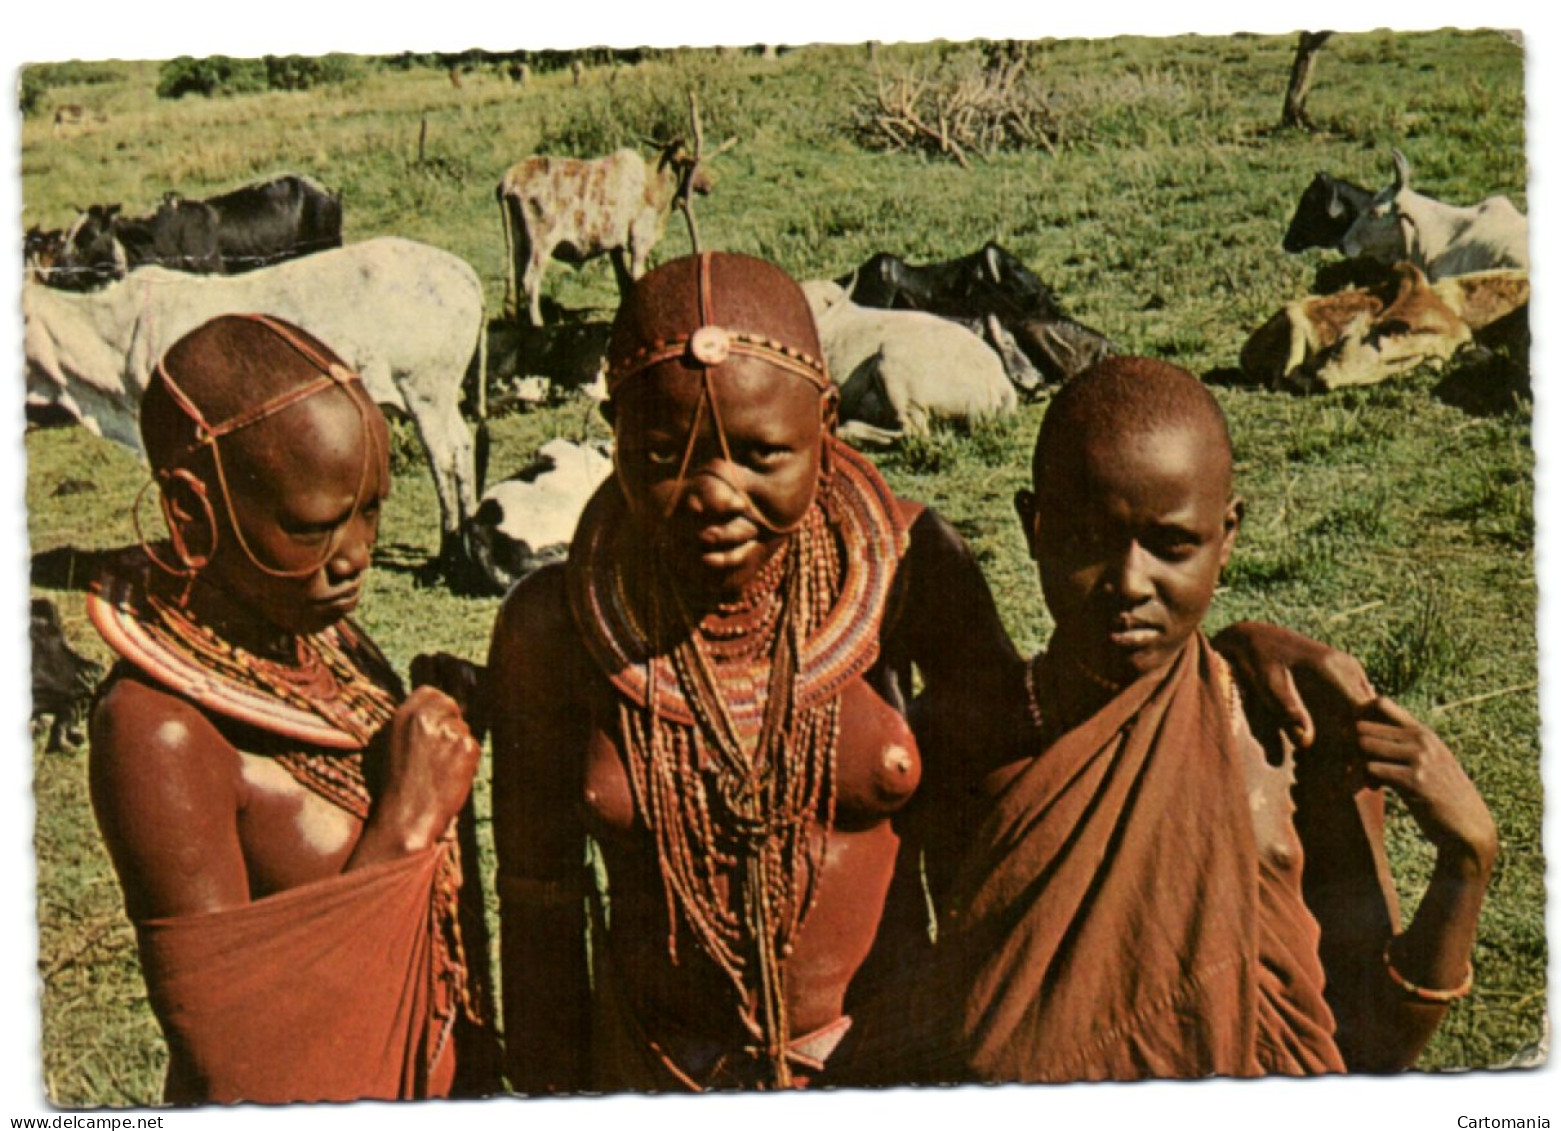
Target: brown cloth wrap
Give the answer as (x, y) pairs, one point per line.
(327, 991)
(1115, 919)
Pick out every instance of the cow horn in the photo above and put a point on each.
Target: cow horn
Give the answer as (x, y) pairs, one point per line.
(1400, 170)
(991, 260)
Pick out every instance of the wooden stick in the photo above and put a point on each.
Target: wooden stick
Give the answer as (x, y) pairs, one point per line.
(1356, 611)
(1443, 708)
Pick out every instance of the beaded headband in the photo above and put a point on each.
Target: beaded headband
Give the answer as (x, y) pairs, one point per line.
(710, 345)
(333, 375)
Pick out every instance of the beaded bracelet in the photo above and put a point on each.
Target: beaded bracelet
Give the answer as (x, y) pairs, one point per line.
(1422, 993)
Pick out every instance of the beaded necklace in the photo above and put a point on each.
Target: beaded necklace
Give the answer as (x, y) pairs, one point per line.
(1225, 683)
(334, 698)
(731, 733)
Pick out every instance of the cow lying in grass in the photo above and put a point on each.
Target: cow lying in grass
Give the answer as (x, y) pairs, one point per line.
(1440, 239)
(994, 295)
(527, 520)
(1362, 336)
(898, 370)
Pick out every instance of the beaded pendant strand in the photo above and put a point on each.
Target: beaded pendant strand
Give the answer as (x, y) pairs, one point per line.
(731, 735)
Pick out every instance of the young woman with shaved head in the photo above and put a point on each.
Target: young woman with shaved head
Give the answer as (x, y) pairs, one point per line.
(282, 816)
(715, 692)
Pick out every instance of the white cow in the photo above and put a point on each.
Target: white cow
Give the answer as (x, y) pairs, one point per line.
(529, 519)
(899, 369)
(1440, 239)
(407, 316)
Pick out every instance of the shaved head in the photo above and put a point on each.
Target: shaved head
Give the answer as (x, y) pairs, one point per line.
(1121, 400)
(227, 367)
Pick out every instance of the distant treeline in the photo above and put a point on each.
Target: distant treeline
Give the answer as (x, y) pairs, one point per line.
(224, 74)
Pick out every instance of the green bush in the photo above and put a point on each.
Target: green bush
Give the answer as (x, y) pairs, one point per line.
(40, 78)
(298, 72)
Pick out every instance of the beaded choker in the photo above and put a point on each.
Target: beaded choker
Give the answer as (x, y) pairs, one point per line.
(324, 698)
(1035, 677)
(862, 514)
(731, 753)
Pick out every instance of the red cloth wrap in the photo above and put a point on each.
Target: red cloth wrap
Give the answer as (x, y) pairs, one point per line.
(1114, 918)
(328, 991)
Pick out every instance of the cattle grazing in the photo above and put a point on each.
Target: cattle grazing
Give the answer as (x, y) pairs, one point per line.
(41, 252)
(995, 295)
(407, 316)
(102, 245)
(243, 230)
(1362, 336)
(529, 519)
(68, 116)
(63, 680)
(1440, 239)
(284, 218)
(1324, 214)
(898, 370)
(572, 210)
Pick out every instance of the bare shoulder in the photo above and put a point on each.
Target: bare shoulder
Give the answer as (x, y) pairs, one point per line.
(167, 789)
(535, 631)
(145, 734)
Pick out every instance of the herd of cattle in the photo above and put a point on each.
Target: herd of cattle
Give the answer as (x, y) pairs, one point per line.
(104, 297)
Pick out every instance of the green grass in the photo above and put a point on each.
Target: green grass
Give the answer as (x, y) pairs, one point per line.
(1384, 520)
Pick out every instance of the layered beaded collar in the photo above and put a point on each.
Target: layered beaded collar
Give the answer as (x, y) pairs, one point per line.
(325, 698)
(861, 512)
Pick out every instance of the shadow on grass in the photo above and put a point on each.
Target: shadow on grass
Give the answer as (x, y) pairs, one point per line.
(68, 568)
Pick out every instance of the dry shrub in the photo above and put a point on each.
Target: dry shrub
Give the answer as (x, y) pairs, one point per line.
(975, 104)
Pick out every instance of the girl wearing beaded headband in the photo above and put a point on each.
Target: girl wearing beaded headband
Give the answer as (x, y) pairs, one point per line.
(303, 937)
(713, 688)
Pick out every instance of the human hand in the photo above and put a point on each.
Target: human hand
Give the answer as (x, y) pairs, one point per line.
(460, 679)
(431, 762)
(1402, 753)
(1297, 681)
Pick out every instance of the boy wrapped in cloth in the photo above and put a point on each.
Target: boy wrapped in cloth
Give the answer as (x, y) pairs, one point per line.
(282, 816)
(1151, 893)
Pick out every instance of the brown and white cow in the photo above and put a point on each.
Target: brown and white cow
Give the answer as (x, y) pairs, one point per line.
(1364, 335)
(574, 210)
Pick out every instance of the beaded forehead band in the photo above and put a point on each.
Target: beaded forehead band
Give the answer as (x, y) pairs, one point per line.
(333, 375)
(707, 347)
(710, 345)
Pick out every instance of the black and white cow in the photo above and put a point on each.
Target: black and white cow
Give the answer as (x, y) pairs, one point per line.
(995, 295)
(248, 228)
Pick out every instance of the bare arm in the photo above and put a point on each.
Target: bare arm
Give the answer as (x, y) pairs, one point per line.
(432, 761)
(1288, 677)
(539, 732)
(969, 718)
(1360, 743)
(1400, 753)
(166, 788)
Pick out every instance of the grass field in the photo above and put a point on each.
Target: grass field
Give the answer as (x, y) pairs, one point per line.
(1389, 521)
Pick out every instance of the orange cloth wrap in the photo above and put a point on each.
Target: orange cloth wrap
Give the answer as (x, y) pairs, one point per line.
(329, 991)
(1115, 919)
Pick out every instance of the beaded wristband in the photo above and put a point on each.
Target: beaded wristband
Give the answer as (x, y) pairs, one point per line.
(1422, 993)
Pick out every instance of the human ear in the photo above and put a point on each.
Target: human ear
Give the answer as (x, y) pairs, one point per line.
(1024, 507)
(190, 518)
(1235, 511)
(829, 410)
